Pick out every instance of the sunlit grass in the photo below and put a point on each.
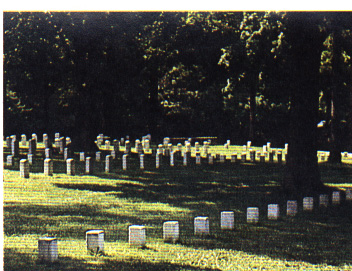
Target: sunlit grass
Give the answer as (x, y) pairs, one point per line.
(66, 206)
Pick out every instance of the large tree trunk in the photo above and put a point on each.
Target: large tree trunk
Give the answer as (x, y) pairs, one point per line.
(302, 172)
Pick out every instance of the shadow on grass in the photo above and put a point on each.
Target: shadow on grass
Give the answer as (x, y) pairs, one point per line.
(16, 261)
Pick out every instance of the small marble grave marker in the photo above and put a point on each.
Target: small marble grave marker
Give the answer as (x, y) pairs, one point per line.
(308, 204)
(273, 211)
(124, 162)
(113, 154)
(47, 249)
(108, 160)
(198, 159)
(95, 240)
(252, 215)
(67, 153)
(172, 160)
(141, 161)
(46, 141)
(201, 225)
(185, 158)
(136, 235)
(127, 146)
(23, 139)
(48, 153)
(268, 146)
(81, 156)
(227, 220)
(89, 165)
(157, 160)
(323, 200)
(24, 168)
(171, 231)
(244, 148)
(222, 158)
(98, 156)
(348, 194)
(291, 207)
(70, 166)
(210, 159)
(9, 161)
(252, 155)
(336, 197)
(30, 158)
(48, 167)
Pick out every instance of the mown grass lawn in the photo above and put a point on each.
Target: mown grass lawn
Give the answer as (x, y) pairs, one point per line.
(66, 206)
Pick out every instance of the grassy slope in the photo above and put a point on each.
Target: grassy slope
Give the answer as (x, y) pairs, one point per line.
(66, 207)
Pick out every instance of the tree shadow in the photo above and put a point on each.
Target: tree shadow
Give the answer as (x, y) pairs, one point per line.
(15, 261)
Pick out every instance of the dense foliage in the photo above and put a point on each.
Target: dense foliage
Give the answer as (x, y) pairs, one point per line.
(224, 74)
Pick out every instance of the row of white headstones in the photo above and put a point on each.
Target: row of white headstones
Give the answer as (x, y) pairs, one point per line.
(48, 246)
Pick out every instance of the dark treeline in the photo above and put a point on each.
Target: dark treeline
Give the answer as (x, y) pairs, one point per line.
(230, 75)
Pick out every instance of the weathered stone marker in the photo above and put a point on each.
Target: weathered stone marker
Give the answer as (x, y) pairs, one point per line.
(108, 160)
(227, 220)
(323, 200)
(15, 147)
(136, 235)
(124, 162)
(48, 167)
(198, 159)
(172, 160)
(308, 204)
(98, 156)
(48, 153)
(171, 231)
(252, 215)
(210, 159)
(81, 156)
(336, 198)
(24, 168)
(157, 160)
(201, 225)
(291, 207)
(47, 249)
(9, 160)
(141, 161)
(70, 166)
(95, 240)
(273, 211)
(243, 157)
(234, 158)
(222, 158)
(89, 165)
(30, 158)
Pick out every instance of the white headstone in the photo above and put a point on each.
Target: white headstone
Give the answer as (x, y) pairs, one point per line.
(136, 235)
(268, 146)
(24, 168)
(185, 158)
(157, 160)
(70, 164)
(291, 207)
(48, 167)
(323, 200)
(171, 231)
(227, 220)
(273, 211)
(89, 165)
(198, 159)
(210, 159)
(141, 161)
(336, 197)
(48, 153)
(308, 204)
(81, 156)
(249, 143)
(222, 158)
(30, 158)
(9, 161)
(252, 215)
(172, 160)
(108, 160)
(98, 156)
(201, 225)
(95, 240)
(47, 249)
(124, 162)
(15, 147)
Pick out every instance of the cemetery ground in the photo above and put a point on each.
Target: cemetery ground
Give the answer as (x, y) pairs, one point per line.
(67, 206)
